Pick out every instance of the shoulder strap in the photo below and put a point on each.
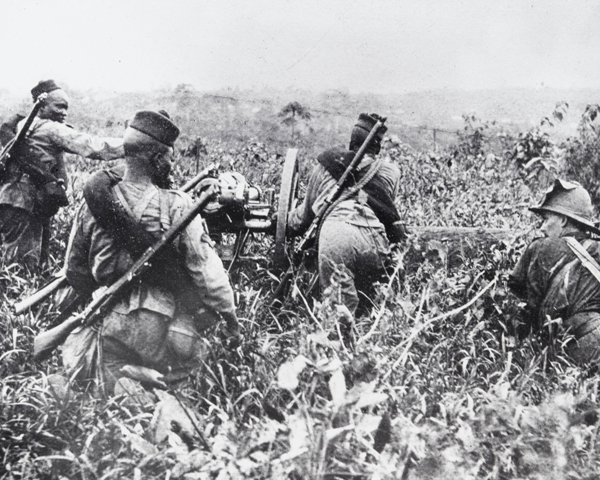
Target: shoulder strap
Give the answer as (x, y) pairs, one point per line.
(378, 198)
(165, 219)
(121, 198)
(108, 206)
(582, 254)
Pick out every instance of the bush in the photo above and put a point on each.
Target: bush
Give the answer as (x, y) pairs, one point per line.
(435, 386)
(582, 155)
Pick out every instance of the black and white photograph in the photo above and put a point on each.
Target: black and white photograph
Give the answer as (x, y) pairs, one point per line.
(300, 240)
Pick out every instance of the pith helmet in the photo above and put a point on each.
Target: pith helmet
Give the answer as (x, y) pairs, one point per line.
(571, 200)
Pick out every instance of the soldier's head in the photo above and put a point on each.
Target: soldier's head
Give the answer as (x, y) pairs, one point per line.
(148, 144)
(566, 208)
(361, 131)
(55, 105)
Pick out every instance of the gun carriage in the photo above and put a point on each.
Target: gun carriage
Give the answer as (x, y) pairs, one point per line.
(243, 211)
(241, 216)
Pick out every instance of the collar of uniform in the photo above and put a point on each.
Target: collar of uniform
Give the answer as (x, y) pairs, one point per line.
(367, 160)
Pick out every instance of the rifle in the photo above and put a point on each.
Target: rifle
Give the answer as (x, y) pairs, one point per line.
(15, 161)
(61, 280)
(45, 342)
(14, 147)
(310, 236)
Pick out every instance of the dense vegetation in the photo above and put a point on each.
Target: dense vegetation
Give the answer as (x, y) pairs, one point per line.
(432, 385)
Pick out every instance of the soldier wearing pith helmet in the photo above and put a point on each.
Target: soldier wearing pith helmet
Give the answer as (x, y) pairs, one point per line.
(556, 273)
(154, 333)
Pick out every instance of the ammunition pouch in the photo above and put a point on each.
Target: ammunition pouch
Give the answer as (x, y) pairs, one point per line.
(50, 195)
(49, 198)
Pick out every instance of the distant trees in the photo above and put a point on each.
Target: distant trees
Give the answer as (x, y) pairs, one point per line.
(292, 114)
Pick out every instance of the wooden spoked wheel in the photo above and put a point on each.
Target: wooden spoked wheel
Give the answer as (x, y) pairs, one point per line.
(288, 198)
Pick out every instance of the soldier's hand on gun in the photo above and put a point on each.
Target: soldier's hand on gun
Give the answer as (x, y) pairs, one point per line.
(207, 183)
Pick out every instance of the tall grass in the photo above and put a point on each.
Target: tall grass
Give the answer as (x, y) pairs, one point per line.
(432, 384)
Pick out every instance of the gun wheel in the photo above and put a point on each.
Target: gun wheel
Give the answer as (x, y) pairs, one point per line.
(288, 198)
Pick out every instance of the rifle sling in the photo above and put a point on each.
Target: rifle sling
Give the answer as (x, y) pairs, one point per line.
(582, 254)
(110, 209)
(22, 162)
(336, 162)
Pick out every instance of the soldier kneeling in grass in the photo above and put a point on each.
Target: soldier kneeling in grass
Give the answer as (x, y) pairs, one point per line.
(153, 331)
(360, 229)
(558, 275)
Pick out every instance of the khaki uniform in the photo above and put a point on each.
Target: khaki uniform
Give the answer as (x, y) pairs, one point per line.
(22, 230)
(555, 284)
(352, 240)
(136, 330)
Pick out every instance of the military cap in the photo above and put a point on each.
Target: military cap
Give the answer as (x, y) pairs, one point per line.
(571, 200)
(361, 131)
(44, 86)
(367, 122)
(155, 125)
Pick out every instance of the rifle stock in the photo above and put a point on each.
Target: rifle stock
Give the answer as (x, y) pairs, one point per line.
(45, 342)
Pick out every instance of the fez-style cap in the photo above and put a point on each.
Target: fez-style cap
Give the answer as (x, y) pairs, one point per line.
(45, 86)
(156, 125)
(571, 200)
(367, 122)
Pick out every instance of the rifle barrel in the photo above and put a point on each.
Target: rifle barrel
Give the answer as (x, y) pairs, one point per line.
(24, 305)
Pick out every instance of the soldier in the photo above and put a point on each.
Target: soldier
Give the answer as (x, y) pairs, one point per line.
(552, 279)
(356, 234)
(152, 333)
(25, 212)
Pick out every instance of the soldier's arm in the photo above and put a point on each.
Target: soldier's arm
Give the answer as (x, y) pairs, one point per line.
(77, 267)
(301, 217)
(202, 262)
(84, 144)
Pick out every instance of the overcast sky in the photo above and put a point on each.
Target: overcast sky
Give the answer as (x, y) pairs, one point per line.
(360, 45)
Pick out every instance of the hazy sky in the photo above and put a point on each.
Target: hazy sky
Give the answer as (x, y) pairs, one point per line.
(361, 45)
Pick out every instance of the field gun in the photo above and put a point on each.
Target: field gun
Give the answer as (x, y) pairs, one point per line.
(243, 214)
(240, 210)
(243, 210)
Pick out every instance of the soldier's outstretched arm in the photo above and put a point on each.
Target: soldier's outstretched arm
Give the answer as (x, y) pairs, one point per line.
(84, 144)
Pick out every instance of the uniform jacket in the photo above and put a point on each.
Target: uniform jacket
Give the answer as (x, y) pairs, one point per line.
(48, 141)
(94, 259)
(554, 283)
(354, 210)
